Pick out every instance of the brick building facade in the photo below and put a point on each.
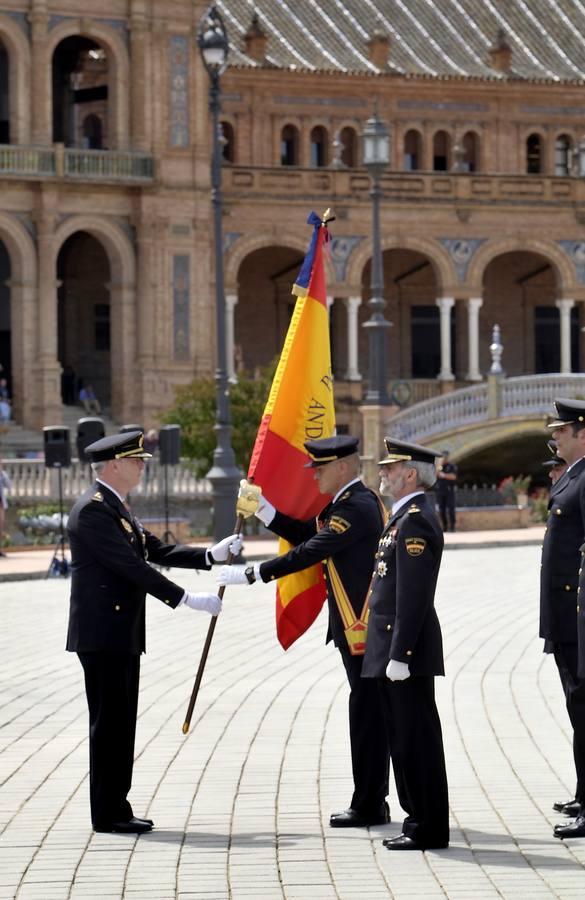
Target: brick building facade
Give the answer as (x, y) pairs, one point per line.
(105, 219)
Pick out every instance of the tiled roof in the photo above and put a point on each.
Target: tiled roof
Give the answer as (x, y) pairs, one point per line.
(445, 38)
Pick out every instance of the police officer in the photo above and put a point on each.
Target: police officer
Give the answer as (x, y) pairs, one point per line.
(555, 466)
(559, 580)
(404, 649)
(446, 491)
(110, 580)
(344, 537)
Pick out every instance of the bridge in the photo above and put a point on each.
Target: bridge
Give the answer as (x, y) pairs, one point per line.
(472, 419)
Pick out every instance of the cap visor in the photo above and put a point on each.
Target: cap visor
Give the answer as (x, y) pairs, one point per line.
(559, 424)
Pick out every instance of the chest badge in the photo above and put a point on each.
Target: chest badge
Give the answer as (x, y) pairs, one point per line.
(382, 569)
(126, 524)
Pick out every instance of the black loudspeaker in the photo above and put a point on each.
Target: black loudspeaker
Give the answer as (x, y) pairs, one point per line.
(88, 431)
(126, 428)
(57, 447)
(169, 445)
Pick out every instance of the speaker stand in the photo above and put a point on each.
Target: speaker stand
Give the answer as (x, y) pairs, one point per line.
(59, 564)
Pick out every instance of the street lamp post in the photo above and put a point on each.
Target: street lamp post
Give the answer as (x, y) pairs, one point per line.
(224, 475)
(376, 149)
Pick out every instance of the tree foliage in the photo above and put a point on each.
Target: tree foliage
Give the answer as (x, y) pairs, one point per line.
(194, 411)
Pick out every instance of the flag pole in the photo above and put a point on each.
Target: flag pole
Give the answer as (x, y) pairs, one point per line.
(208, 640)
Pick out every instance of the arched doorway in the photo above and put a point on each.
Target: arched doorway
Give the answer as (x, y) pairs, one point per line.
(80, 90)
(520, 290)
(83, 270)
(4, 96)
(5, 319)
(265, 305)
(411, 290)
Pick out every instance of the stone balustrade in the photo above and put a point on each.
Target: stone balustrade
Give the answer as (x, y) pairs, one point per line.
(81, 165)
(32, 481)
(528, 395)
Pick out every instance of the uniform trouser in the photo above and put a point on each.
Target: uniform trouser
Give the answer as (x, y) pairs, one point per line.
(446, 503)
(574, 689)
(111, 687)
(370, 748)
(418, 757)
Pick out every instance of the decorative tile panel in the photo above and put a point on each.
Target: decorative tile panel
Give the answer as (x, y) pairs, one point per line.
(341, 249)
(576, 250)
(181, 300)
(179, 90)
(461, 251)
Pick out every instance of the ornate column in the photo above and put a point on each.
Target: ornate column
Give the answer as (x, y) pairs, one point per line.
(565, 307)
(23, 295)
(474, 305)
(230, 308)
(47, 387)
(352, 304)
(123, 350)
(41, 130)
(445, 305)
(144, 289)
(140, 54)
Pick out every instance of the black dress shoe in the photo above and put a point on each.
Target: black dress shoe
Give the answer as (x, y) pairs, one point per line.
(574, 829)
(352, 818)
(570, 808)
(404, 842)
(132, 826)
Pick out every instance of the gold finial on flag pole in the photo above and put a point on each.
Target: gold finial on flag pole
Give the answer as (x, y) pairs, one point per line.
(327, 216)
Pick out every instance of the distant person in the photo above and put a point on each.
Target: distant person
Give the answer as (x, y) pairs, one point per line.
(89, 401)
(5, 411)
(151, 441)
(445, 491)
(5, 485)
(556, 466)
(4, 392)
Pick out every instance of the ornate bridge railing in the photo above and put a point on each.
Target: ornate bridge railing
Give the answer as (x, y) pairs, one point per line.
(31, 480)
(526, 395)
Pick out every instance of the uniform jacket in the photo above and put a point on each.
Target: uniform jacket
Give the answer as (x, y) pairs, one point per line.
(346, 532)
(561, 558)
(111, 577)
(403, 624)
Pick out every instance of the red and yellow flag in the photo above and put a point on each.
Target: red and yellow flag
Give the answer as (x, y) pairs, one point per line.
(300, 407)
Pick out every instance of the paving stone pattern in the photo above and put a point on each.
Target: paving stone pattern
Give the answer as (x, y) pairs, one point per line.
(242, 803)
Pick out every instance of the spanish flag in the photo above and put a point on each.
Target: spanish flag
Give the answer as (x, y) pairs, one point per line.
(300, 407)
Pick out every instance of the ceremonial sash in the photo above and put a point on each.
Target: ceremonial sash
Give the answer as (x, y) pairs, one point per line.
(355, 628)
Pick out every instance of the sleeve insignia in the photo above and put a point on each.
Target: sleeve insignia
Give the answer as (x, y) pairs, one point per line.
(126, 524)
(415, 545)
(98, 496)
(338, 525)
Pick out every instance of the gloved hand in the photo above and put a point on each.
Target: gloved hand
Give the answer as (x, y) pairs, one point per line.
(220, 551)
(251, 502)
(232, 575)
(397, 671)
(206, 602)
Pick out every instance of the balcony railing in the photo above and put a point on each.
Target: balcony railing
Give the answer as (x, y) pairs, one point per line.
(81, 165)
(439, 187)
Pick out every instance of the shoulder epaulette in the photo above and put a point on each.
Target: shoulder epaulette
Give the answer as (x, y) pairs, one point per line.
(344, 496)
(98, 496)
(413, 508)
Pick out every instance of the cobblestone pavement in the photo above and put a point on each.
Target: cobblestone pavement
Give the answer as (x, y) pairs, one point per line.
(241, 804)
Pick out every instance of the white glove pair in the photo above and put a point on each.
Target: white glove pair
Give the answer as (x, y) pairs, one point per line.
(397, 671)
(237, 574)
(210, 603)
(220, 551)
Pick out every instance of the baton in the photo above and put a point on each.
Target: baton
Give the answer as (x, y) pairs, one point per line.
(208, 640)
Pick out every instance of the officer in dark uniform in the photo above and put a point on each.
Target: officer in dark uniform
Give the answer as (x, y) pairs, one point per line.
(110, 580)
(555, 465)
(446, 491)
(404, 649)
(344, 538)
(559, 579)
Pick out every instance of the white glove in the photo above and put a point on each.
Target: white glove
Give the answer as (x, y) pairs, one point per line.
(206, 602)
(221, 550)
(232, 575)
(397, 671)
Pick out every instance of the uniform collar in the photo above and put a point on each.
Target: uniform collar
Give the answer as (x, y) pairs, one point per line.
(113, 490)
(398, 504)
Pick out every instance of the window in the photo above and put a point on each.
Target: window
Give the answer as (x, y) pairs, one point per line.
(563, 155)
(348, 138)
(425, 341)
(441, 151)
(289, 146)
(533, 154)
(412, 151)
(319, 148)
(470, 152)
(547, 339)
(227, 142)
(92, 132)
(102, 326)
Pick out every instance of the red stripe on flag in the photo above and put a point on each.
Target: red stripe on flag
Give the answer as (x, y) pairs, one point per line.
(293, 619)
(278, 468)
